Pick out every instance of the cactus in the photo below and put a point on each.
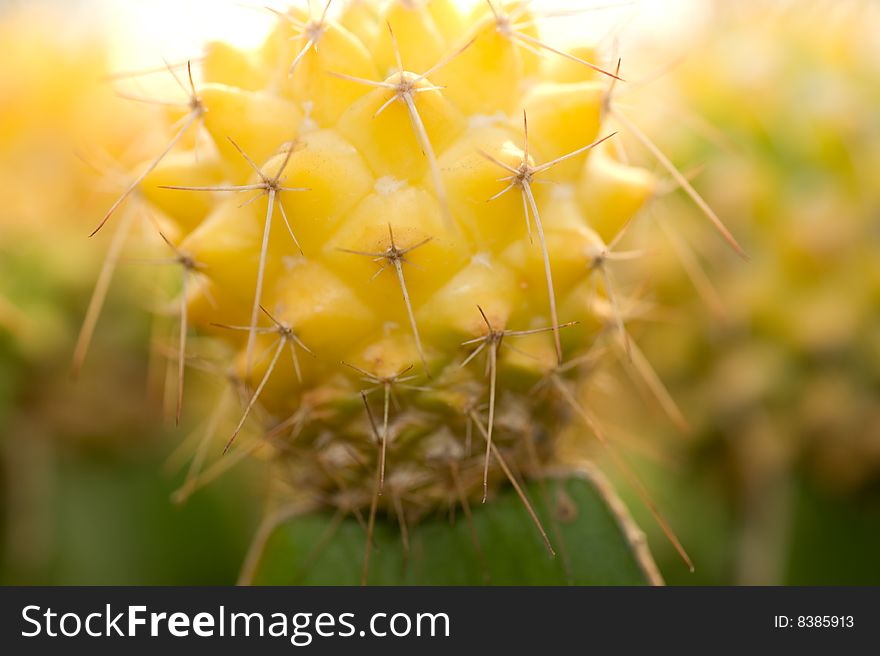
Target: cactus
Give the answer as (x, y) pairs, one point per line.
(57, 114)
(808, 193)
(782, 387)
(396, 228)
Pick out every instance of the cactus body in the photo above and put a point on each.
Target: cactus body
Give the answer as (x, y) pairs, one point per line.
(395, 226)
(405, 273)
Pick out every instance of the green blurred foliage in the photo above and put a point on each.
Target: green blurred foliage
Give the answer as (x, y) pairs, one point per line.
(96, 516)
(84, 496)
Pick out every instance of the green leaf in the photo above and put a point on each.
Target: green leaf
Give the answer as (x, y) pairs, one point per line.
(595, 541)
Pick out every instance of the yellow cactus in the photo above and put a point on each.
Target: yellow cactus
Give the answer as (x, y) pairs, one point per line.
(56, 108)
(799, 318)
(396, 228)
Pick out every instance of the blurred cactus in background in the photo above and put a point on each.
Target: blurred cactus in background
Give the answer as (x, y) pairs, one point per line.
(82, 494)
(778, 369)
